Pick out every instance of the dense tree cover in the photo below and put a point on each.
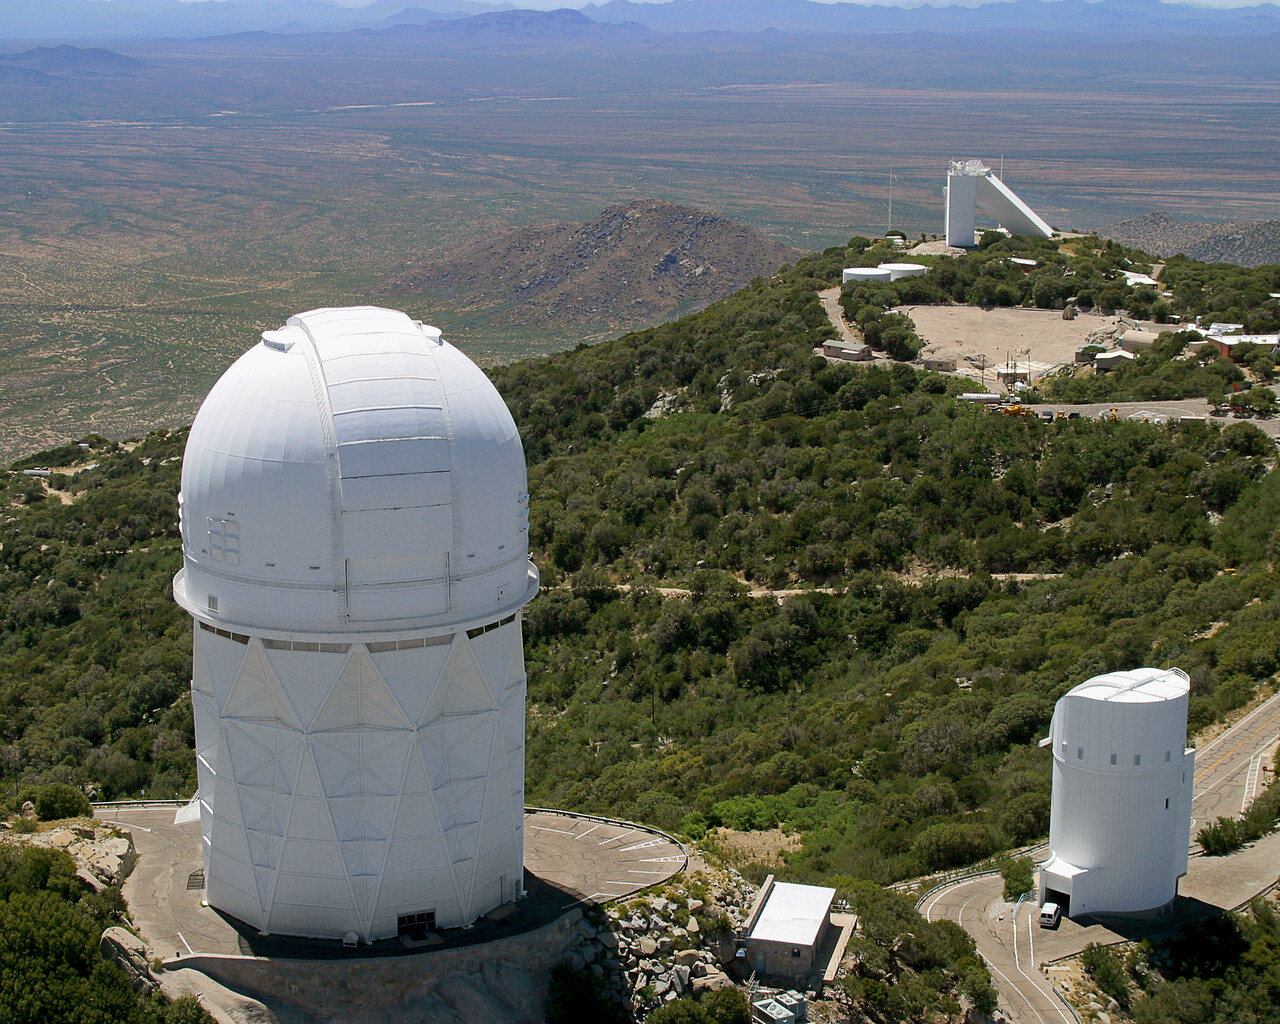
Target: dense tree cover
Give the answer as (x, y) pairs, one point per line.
(50, 968)
(723, 1006)
(1225, 292)
(95, 657)
(907, 968)
(1225, 970)
(890, 721)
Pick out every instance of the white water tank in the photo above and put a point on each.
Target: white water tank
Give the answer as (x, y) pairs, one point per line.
(354, 515)
(865, 274)
(1120, 824)
(900, 270)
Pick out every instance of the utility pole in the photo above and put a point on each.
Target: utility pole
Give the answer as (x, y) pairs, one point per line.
(890, 227)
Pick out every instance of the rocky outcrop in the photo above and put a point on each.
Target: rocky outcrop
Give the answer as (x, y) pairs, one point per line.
(677, 942)
(133, 956)
(104, 855)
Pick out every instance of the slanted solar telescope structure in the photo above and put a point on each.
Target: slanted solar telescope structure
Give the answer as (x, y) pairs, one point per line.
(972, 185)
(1120, 819)
(354, 516)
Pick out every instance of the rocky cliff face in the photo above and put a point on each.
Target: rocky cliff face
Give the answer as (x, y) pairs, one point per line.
(636, 264)
(1250, 243)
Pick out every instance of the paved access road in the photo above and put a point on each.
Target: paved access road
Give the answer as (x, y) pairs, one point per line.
(1009, 937)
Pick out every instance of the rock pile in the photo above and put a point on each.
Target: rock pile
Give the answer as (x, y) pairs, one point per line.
(675, 942)
(104, 855)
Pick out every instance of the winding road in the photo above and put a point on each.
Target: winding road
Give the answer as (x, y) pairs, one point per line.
(1231, 769)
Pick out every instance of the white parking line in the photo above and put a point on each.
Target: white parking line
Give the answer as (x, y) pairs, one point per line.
(614, 839)
(642, 846)
(587, 832)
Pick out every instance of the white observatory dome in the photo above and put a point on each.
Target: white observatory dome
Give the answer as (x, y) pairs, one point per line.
(354, 468)
(355, 554)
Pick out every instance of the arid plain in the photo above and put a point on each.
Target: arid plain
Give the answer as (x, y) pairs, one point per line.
(151, 224)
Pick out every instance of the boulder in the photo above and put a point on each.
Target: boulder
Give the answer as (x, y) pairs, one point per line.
(132, 954)
(680, 978)
(693, 928)
(609, 940)
(647, 946)
(721, 948)
(688, 957)
(694, 905)
(28, 809)
(711, 981)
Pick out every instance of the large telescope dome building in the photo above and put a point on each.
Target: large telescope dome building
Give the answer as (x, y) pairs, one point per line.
(1120, 819)
(354, 516)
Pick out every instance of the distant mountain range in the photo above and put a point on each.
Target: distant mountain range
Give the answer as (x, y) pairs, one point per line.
(1128, 16)
(137, 19)
(72, 60)
(1251, 243)
(636, 264)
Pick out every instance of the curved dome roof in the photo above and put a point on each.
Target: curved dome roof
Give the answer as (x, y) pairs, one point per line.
(353, 473)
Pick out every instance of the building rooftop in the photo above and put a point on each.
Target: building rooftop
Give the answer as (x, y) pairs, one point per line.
(1136, 686)
(793, 913)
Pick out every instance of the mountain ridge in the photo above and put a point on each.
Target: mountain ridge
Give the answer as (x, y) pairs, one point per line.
(1250, 243)
(633, 265)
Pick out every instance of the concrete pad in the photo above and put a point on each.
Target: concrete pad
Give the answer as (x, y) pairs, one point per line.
(570, 860)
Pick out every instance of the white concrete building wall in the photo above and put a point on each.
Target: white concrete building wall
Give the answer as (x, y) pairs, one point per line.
(962, 209)
(1120, 823)
(354, 521)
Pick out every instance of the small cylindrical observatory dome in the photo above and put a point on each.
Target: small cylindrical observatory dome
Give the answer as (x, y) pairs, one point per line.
(1120, 824)
(860, 274)
(354, 515)
(897, 271)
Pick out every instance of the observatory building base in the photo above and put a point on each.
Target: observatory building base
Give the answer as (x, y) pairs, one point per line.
(571, 862)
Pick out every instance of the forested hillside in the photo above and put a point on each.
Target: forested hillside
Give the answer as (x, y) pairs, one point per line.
(889, 713)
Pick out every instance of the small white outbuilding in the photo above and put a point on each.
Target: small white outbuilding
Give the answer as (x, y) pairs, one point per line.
(1120, 823)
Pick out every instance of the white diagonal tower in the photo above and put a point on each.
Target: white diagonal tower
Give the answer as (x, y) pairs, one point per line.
(355, 539)
(970, 185)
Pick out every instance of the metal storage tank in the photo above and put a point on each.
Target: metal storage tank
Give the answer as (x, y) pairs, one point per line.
(1120, 823)
(897, 270)
(864, 274)
(354, 515)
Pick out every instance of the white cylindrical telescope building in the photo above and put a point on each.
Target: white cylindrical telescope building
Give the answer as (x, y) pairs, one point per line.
(1120, 823)
(897, 271)
(354, 514)
(860, 274)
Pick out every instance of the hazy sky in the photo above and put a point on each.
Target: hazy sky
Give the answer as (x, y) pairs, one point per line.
(553, 4)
